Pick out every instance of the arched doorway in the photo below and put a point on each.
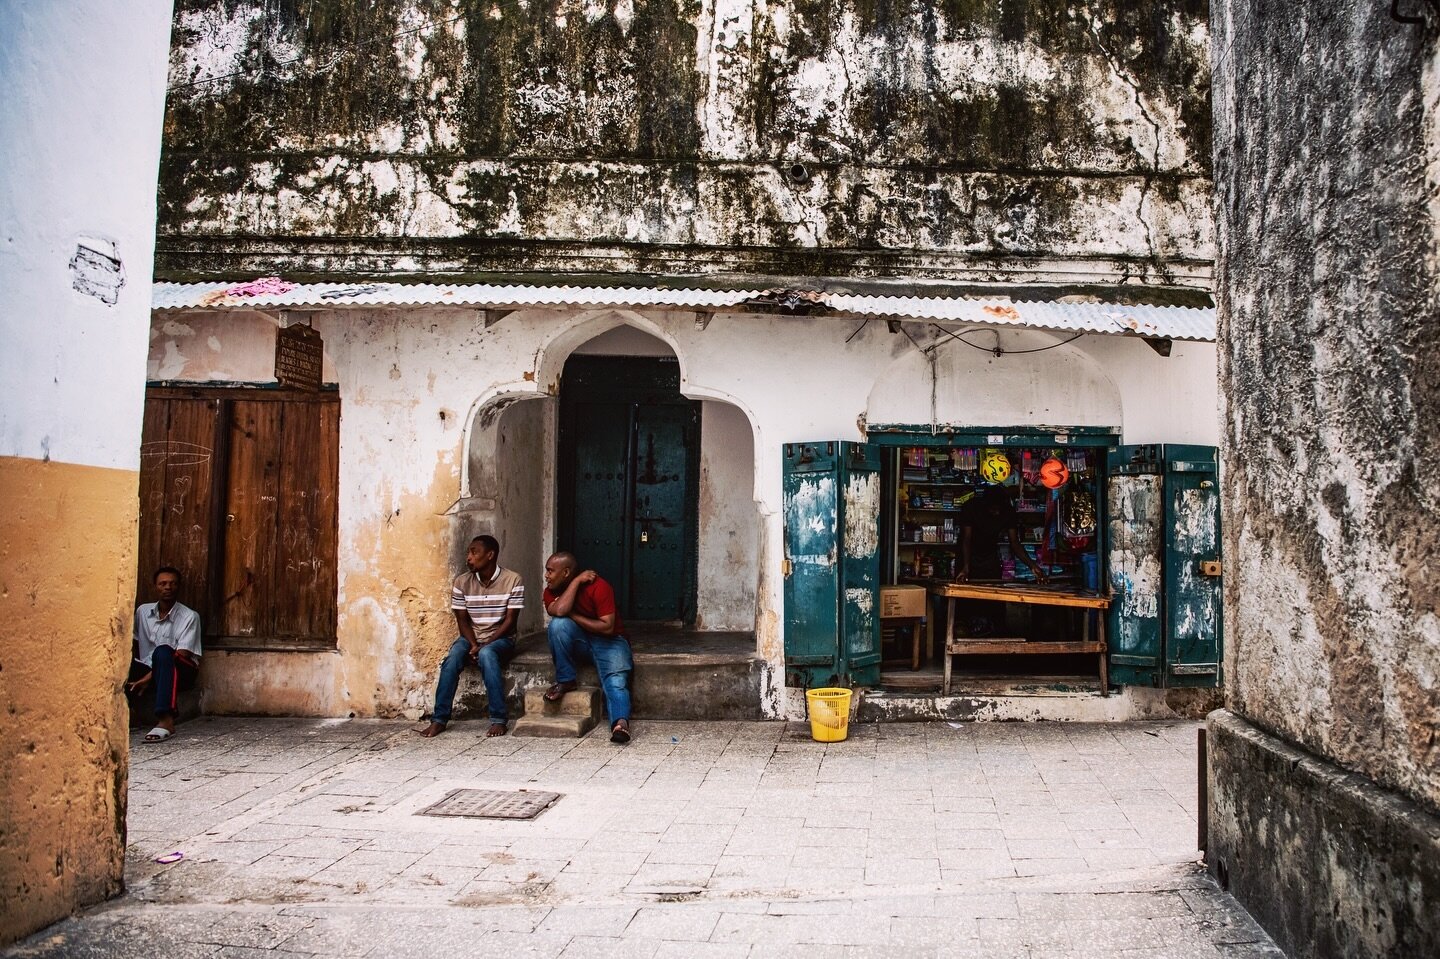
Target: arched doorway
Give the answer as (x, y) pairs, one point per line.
(627, 479)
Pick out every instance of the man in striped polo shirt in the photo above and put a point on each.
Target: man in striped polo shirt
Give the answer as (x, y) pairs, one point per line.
(487, 601)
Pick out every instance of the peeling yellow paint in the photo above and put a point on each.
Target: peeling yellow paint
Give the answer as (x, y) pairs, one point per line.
(391, 646)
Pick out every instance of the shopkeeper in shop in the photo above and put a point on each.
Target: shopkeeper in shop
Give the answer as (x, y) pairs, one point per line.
(987, 520)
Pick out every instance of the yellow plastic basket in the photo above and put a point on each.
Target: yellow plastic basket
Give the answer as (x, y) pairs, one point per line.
(829, 714)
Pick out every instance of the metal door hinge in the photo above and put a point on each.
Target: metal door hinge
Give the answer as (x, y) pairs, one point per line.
(785, 567)
(1209, 567)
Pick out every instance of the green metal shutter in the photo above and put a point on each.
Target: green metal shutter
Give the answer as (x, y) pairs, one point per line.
(811, 565)
(860, 561)
(1193, 601)
(832, 564)
(1135, 515)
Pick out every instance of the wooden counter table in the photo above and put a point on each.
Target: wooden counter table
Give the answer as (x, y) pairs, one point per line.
(1091, 603)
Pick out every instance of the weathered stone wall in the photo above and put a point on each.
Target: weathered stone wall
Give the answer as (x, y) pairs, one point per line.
(1326, 136)
(1359, 866)
(1330, 369)
(967, 139)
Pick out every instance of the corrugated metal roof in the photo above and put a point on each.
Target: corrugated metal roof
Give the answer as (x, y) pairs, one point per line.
(1172, 322)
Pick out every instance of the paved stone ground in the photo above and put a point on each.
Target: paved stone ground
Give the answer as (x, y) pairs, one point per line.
(1043, 841)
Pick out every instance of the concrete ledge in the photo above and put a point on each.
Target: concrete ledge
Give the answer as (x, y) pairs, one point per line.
(1028, 701)
(1326, 861)
(707, 684)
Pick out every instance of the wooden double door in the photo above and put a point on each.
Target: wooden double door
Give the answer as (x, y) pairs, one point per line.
(628, 481)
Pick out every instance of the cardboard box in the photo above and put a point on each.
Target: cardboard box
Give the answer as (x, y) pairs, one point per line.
(902, 602)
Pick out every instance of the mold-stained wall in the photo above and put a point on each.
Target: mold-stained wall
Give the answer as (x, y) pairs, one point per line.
(80, 120)
(729, 521)
(1331, 376)
(415, 485)
(973, 139)
(525, 467)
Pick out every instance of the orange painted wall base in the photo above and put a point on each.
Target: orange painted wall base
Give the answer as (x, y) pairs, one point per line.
(67, 568)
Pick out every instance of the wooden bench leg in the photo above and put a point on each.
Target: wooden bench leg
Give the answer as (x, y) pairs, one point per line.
(949, 640)
(1104, 649)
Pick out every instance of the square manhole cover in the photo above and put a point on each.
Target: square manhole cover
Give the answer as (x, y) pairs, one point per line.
(491, 804)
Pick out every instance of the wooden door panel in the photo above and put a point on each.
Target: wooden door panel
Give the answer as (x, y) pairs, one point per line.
(326, 519)
(177, 461)
(250, 520)
(154, 452)
(302, 578)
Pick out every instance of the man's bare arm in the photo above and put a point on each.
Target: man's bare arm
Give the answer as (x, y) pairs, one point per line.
(467, 628)
(963, 573)
(507, 625)
(1018, 549)
(604, 626)
(565, 602)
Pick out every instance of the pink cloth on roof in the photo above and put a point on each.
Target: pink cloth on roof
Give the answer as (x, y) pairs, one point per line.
(260, 287)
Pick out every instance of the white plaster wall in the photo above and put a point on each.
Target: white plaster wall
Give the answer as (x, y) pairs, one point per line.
(624, 341)
(1094, 381)
(403, 466)
(80, 120)
(1173, 399)
(189, 346)
(729, 521)
(526, 457)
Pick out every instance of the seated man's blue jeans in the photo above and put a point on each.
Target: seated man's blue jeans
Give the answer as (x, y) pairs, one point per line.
(170, 674)
(491, 659)
(570, 643)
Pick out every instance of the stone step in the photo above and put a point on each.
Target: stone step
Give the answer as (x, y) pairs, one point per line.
(581, 701)
(553, 727)
(665, 685)
(717, 681)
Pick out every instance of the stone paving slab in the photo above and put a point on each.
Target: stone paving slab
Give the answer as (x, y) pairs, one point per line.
(1040, 841)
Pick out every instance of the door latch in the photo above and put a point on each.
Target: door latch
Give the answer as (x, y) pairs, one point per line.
(1209, 567)
(644, 536)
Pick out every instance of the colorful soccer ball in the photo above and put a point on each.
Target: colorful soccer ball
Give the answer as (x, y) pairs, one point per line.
(995, 467)
(1054, 474)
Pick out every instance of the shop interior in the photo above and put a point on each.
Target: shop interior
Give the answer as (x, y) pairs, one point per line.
(1042, 586)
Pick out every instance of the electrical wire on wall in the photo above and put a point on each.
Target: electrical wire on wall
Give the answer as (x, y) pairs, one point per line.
(996, 350)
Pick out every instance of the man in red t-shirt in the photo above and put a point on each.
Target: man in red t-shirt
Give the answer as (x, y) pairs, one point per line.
(585, 626)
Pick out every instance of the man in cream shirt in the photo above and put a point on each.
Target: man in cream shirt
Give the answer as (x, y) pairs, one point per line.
(167, 639)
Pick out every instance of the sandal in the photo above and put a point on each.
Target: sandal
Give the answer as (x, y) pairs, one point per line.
(496, 729)
(557, 692)
(620, 732)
